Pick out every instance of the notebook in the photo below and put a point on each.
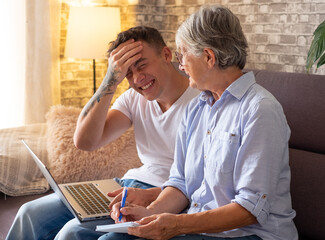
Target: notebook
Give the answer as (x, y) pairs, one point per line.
(86, 200)
(117, 227)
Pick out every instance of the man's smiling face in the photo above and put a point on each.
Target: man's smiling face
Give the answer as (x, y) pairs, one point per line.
(146, 75)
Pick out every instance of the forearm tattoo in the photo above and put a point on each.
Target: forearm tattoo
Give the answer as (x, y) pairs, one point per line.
(106, 88)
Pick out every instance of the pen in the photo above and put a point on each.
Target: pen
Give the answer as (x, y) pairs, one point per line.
(124, 194)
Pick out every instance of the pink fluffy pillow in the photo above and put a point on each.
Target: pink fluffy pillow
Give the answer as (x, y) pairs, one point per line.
(69, 164)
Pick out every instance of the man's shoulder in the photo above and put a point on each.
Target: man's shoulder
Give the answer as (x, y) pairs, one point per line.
(128, 99)
(133, 95)
(194, 105)
(190, 94)
(193, 92)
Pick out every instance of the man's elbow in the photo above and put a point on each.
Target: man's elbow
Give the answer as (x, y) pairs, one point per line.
(83, 143)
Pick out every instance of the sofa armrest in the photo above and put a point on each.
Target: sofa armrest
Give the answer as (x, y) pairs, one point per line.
(19, 174)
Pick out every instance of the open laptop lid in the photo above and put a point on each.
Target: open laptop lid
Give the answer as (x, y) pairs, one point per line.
(50, 180)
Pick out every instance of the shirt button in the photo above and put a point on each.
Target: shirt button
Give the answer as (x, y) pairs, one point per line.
(195, 204)
(209, 132)
(264, 196)
(205, 156)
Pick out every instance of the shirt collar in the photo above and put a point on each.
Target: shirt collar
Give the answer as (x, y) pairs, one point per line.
(238, 88)
(205, 97)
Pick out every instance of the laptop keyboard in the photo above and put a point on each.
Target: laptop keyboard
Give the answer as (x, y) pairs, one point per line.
(89, 198)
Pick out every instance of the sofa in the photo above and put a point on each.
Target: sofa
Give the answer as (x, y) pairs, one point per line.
(303, 100)
(302, 97)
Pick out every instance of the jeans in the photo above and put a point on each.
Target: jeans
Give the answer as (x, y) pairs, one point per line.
(125, 236)
(48, 218)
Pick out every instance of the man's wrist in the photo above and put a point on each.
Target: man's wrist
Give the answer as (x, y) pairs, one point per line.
(112, 78)
(109, 83)
(107, 89)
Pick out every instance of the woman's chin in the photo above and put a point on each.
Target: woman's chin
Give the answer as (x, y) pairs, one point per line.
(192, 84)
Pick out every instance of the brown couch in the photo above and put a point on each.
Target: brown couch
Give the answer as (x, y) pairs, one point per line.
(303, 99)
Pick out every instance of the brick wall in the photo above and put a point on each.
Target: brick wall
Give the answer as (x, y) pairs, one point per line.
(279, 35)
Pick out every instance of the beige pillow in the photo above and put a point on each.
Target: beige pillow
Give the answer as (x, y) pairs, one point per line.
(69, 164)
(19, 175)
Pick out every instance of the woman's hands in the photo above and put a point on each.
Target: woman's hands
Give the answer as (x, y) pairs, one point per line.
(160, 226)
(157, 226)
(159, 220)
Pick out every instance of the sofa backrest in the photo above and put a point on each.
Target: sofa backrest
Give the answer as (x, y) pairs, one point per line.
(302, 97)
(303, 100)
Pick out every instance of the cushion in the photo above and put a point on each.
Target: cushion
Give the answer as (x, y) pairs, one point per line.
(307, 192)
(303, 101)
(69, 164)
(19, 175)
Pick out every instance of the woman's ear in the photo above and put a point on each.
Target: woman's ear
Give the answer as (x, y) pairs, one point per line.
(209, 57)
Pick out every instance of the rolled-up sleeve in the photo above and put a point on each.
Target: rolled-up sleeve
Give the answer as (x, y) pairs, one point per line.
(257, 204)
(262, 161)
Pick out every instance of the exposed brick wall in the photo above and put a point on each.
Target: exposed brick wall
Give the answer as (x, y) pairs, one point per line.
(279, 35)
(77, 74)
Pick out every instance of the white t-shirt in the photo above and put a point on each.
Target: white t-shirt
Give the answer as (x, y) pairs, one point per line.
(155, 133)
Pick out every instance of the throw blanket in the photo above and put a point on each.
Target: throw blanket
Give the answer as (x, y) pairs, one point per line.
(19, 174)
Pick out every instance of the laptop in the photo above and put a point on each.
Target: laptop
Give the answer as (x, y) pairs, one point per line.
(86, 200)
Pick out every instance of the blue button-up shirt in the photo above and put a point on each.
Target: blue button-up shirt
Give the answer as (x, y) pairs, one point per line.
(236, 150)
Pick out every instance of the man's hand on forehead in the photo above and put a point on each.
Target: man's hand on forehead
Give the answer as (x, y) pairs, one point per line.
(129, 48)
(123, 57)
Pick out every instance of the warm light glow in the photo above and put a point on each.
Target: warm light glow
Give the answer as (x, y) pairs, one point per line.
(12, 63)
(90, 29)
(133, 2)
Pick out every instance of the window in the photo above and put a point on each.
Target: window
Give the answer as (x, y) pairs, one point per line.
(12, 62)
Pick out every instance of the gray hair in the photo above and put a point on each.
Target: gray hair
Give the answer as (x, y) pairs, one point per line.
(216, 28)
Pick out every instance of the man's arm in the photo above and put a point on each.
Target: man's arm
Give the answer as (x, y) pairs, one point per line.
(97, 125)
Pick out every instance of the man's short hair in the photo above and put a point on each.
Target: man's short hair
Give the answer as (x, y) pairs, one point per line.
(143, 33)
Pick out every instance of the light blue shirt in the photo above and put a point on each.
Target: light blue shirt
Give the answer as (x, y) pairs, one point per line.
(236, 150)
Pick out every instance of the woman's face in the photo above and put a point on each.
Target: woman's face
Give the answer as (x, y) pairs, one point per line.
(203, 73)
(194, 67)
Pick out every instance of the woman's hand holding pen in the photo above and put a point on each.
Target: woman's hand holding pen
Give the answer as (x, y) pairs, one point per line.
(130, 212)
(153, 226)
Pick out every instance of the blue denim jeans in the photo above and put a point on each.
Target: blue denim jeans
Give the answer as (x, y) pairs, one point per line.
(124, 236)
(48, 218)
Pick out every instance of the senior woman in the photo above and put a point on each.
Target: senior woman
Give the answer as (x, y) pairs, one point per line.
(231, 161)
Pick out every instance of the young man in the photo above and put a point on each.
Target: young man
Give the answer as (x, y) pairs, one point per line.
(154, 106)
(231, 166)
